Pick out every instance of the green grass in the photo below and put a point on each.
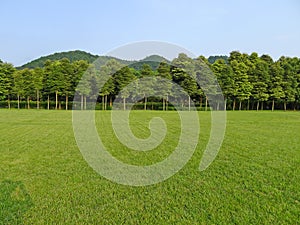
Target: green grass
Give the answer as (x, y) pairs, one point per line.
(255, 178)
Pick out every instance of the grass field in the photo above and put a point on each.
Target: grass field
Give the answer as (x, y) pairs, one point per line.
(255, 178)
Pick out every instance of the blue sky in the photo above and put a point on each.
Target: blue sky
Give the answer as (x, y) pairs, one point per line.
(32, 28)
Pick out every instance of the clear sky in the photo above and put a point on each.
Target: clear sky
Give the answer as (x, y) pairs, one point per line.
(33, 28)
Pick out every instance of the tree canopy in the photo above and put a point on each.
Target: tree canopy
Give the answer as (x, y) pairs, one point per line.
(247, 81)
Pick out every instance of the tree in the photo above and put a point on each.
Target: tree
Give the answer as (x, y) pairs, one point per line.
(241, 85)
(298, 81)
(18, 87)
(106, 90)
(28, 82)
(289, 80)
(6, 81)
(147, 71)
(122, 78)
(106, 74)
(207, 81)
(224, 75)
(268, 59)
(87, 86)
(259, 78)
(67, 73)
(183, 73)
(184, 80)
(54, 80)
(78, 68)
(295, 66)
(276, 85)
(47, 83)
(164, 86)
(38, 76)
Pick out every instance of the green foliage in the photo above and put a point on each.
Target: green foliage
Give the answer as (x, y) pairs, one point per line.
(242, 77)
(6, 79)
(146, 71)
(242, 87)
(259, 76)
(153, 61)
(72, 56)
(183, 73)
(99, 61)
(289, 79)
(122, 78)
(213, 59)
(225, 77)
(165, 86)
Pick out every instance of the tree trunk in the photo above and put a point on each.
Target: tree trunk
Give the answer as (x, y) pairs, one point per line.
(240, 106)
(262, 106)
(84, 101)
(248, 104)
(8, 101)
(59, 105)
(225, 104)
(233, 106)
(81, 102)
(105, 102)
(38, 99)
(273, 104)
(56, 99)
(167, 100)
(163, 100)
(257, 106)
(206, 103)
(145, 102)
(200, 103)
(67, 101)
(110, 101)
(284, 106)
(102, 102)
(18, 101)
(28, 102)
(48, 103)
(124, 104)
(189, 103)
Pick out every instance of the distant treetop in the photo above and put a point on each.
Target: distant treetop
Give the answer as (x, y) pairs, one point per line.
(212, 59)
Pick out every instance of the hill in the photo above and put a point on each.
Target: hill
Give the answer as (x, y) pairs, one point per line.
(71, 55)
(212, 59)
(152, 60)
(155, 58)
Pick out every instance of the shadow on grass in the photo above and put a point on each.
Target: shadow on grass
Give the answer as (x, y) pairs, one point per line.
(14, 202)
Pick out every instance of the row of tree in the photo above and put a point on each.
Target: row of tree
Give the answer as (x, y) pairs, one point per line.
(247, 82)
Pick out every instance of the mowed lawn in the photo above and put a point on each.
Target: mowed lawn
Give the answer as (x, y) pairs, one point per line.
(255, 178)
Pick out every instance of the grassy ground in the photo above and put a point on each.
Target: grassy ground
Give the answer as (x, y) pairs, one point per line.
(255, 178)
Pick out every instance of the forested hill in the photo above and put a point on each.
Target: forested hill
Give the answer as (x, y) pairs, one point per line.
(213, 58)
(76, 55)
(152, 60)
(72, 56)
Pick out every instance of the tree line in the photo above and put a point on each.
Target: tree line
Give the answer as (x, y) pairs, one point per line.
(250, 82)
